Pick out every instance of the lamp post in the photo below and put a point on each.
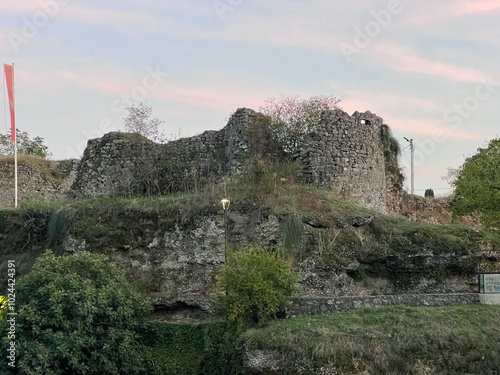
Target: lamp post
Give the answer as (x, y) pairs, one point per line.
(225, 206)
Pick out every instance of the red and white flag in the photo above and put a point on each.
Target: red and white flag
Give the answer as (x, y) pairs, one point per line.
(9, 77)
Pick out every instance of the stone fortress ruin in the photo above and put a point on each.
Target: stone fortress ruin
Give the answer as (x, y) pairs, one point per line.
(344, 153)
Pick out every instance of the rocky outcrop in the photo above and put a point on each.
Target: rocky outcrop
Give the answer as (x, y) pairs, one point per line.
(177, 264)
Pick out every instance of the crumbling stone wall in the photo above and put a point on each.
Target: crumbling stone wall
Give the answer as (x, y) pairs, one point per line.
(129, 164)
(345, 153)
(45, 179)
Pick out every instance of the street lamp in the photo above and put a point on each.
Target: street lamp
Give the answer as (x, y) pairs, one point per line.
(225, 206)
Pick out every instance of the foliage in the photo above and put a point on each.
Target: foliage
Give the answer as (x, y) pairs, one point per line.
(478, 183)
(256, 285)
(292, 118)
(192, 348)
(429, 193)
(392, 151)
(452, 175)
(386, 340)
(25, 145)
(3, 306)
(293, 227)
(139, 121)
(359, 274)
(77, 315)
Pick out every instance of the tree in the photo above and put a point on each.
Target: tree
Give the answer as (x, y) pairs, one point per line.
(478, 183)
(452, 175)
(429, 193)
(139, 121)
(77, 315)
(255, 284)
(25, 145)
(292, 118)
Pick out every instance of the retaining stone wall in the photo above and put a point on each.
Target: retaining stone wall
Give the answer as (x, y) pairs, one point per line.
(320, 305)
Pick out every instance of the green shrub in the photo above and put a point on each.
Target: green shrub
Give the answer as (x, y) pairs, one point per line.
(255, 285)
(293, 227)
(77, 315)
(359, 274)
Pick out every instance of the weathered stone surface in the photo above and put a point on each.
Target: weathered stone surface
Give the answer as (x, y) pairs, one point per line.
(319, 305)
(32, 183)
(344, 153)
(128, 164)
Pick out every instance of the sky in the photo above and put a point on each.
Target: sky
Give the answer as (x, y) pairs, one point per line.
(430, 69)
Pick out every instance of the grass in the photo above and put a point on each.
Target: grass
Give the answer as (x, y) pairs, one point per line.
(392, 340)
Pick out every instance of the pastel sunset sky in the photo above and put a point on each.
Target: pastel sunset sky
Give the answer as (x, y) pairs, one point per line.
(429, 68)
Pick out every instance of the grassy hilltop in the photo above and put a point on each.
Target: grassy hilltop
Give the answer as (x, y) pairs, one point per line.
(314, 227)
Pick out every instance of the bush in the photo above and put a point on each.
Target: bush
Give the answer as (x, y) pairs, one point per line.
(77, 315)
(429, 193)
(3, 307)
(255, 285)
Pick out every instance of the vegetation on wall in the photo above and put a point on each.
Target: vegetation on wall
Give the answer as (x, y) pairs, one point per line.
(292, 117)
(139, 120)
(193, 348)
(293, 228)
(25, 145)
(392, 151)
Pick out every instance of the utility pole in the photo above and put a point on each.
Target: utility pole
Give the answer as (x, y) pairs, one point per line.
(412, 152)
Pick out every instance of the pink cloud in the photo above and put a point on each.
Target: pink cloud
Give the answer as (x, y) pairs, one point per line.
(430, 130)
(20, 7)
(405, 59)
(124, 21)
(224, 99)
(385, 102)
(480, 6)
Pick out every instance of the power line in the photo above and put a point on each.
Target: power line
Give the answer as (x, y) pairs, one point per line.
(435, 189)
(412, 149)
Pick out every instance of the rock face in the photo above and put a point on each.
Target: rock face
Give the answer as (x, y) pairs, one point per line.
(177, 264)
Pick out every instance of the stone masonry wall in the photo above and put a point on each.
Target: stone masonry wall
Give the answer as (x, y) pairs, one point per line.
(121, 163)
(40, 179)
(320, 305)
(345, 153)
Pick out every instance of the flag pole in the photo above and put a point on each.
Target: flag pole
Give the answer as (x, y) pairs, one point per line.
(9, 79)
(15, 138)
